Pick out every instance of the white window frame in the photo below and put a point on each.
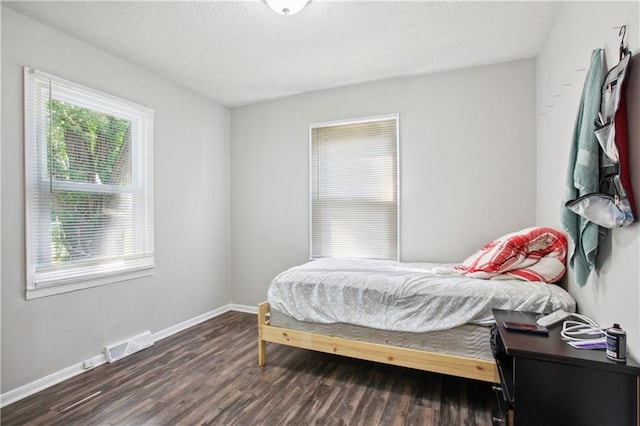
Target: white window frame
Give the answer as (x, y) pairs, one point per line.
(46, 280)
(312, 126)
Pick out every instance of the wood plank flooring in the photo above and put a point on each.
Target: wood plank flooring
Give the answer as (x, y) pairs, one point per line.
(208, 374)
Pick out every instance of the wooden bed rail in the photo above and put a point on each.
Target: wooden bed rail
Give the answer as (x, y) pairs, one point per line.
(470, 368)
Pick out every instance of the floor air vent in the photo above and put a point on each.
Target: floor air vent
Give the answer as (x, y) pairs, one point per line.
(126, 347)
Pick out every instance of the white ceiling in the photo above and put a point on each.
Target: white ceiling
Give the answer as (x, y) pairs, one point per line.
(240, 52)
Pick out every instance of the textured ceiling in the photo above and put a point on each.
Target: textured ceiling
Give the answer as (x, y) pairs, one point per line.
(240, 52)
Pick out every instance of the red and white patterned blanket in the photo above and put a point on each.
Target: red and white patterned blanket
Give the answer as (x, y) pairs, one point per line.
(532, 254)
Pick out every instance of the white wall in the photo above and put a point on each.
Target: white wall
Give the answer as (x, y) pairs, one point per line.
(467, 161)
(613, 294)
(45, 335)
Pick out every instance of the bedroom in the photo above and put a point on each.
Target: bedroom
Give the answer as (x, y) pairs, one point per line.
(257, 190)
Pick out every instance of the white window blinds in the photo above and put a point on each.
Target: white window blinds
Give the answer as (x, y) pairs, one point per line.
(354, 189)
(88, 167)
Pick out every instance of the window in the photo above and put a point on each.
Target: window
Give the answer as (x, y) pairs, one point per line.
(354, 188)
(88, 182)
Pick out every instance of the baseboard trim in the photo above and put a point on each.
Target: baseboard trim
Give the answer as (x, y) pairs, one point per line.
(48, 381)
(244, 308)
(24, 391)
(190, 323)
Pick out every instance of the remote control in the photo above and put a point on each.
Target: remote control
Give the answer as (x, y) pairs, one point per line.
(552, 318)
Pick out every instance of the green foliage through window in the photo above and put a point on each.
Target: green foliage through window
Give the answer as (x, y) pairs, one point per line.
(86, 147)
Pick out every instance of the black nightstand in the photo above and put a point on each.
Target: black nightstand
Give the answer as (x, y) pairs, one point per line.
(547, 382)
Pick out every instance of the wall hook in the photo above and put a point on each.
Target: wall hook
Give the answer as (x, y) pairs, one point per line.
(622, 33)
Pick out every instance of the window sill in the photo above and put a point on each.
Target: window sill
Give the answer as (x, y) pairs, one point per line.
(50, 290)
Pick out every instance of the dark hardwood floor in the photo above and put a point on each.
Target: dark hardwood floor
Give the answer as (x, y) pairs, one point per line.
(208, 374)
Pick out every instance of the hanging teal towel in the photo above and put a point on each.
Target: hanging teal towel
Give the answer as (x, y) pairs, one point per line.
(583, 175)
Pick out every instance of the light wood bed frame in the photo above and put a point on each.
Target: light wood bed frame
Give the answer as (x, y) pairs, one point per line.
(469, 368)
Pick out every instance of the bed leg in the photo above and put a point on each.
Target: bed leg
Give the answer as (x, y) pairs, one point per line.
(263, 308)
(262, 352)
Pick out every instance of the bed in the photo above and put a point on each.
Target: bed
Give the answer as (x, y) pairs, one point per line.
(427, 316)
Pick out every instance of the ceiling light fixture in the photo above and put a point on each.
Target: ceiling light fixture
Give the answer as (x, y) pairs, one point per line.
(287, 7)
